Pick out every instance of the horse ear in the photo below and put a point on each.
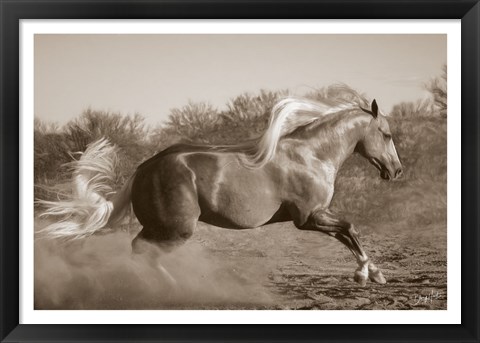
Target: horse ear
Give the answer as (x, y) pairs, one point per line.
(374, 108)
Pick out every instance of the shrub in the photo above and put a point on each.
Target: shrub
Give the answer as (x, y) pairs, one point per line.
(193, 122)
(438, 89)
(128, 133)
(55, 146)
(419, 108)
(433, 106)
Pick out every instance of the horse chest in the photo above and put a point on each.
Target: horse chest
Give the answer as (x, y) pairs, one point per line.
(330, 174)
(312, 186)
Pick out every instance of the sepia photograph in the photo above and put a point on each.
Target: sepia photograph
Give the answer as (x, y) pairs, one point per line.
(240, 172)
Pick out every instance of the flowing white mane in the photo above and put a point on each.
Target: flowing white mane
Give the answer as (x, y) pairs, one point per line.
(291, 113)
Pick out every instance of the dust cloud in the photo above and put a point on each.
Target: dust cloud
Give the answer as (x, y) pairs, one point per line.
(100, 272)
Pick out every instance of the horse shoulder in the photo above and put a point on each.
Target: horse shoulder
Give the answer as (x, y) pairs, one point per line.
(308, 182)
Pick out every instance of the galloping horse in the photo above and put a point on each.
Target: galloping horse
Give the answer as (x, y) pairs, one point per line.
(287, 174)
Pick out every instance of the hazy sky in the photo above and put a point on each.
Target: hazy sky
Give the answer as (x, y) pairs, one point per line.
(150, 74)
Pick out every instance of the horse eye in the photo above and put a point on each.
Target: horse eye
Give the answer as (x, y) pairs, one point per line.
(387, 135)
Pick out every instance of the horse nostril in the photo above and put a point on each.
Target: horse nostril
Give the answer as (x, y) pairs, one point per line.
(399, 173)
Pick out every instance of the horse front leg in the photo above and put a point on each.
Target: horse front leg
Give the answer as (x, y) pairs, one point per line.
(326, 222)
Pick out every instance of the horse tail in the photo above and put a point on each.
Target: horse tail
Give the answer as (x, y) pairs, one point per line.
(86, 210)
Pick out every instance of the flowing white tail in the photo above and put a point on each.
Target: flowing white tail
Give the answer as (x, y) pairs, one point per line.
(87, 209)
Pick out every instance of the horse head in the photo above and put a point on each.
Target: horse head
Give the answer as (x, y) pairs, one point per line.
(377, 146)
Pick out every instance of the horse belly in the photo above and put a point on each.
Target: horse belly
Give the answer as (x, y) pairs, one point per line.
(246, 205)
(232, 196)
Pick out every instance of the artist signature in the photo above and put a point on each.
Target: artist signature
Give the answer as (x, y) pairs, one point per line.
(426, 299)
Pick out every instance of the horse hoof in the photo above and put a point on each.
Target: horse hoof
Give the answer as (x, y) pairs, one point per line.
(377, 276)
(360, 278)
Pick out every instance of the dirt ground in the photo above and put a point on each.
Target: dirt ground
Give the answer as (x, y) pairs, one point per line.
(273, 267)
(308, 270)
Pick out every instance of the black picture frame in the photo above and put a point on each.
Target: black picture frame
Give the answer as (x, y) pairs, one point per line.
(11, 11)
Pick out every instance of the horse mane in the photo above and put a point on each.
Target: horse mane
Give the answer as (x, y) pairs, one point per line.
(291, 113)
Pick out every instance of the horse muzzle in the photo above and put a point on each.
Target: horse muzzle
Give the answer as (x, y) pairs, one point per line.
(385, 172)
(386, 175)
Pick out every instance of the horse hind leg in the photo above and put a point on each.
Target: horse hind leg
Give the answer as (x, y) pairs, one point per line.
(166, 204)
(164, 240)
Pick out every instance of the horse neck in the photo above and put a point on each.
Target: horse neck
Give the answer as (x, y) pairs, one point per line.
(335, 140)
